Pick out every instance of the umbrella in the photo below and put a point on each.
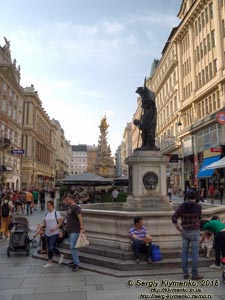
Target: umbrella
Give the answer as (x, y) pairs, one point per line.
(121, 181)
(86, 179)
(217, 164)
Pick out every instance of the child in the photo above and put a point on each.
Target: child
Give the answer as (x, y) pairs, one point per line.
(206, 242)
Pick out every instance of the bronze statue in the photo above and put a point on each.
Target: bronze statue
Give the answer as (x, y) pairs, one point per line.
(148, 121)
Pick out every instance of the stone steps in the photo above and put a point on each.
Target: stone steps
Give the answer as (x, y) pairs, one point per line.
(121, 263)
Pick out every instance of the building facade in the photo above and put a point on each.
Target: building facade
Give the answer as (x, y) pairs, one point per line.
(11, 112)
(78, 163)
(91, 158)
(38, 142)
(189, 85)
(62, 152)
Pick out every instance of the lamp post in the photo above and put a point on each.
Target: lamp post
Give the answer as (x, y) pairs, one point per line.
(192, 149)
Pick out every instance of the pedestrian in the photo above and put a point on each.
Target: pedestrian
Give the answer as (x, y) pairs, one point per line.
(52, 223)
(35, 198)
(29, 201)
(6, 214)
(211, 192)
(141, 240)
(190, 214)
(217, 227)
(42, 199)
(114, 194)
(170, 192)
(74, 226)
(221, 190)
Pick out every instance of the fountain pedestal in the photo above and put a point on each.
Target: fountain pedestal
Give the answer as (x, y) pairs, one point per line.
(147, 181)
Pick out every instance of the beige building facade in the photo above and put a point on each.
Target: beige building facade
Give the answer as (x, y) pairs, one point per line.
(62, 152)
(189, 84)
(38, 142)
(11, 110)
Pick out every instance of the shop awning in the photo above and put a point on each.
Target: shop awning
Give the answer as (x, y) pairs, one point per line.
(204, 172)
(217, 164)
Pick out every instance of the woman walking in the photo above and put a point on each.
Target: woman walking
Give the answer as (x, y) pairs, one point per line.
(52, 222)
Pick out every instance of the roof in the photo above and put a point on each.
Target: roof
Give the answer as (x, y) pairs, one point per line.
(86, 179)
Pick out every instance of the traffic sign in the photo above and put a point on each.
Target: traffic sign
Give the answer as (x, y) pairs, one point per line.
(220, 117)
(17, 151)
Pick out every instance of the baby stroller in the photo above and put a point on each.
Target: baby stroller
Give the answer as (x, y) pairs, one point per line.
(19, 239)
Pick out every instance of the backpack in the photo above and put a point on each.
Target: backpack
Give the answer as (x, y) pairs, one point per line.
(156, 254)
(5, 209)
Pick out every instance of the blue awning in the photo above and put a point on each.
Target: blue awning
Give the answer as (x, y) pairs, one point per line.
(203, 173)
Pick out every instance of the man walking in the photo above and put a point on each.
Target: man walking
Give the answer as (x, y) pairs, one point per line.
(190, 214)
(74, 226)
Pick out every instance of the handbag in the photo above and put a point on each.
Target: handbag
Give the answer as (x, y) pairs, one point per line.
(82, 241)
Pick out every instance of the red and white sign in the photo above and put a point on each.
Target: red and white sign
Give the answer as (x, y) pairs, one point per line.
(218, 149)
(220, 117)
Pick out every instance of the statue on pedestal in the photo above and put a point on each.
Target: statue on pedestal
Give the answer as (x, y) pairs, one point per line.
(147, 123)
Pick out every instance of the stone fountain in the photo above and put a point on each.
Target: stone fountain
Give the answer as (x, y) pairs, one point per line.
(107, 224)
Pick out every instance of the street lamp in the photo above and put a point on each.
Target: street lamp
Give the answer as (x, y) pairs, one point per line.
(192, 148)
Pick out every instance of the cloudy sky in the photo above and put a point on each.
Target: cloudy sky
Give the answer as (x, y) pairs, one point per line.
(86, 58)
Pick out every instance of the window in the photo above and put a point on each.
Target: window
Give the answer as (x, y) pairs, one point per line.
(214, 101)
(203, 76)
(215, 66)
(208, 42)
(197, 54)
(211, 10)
(213, 38)
(199, 24)
(223, 28)
(206, 106)
(206, 15)
(201, 50)
(210, 71)
(199, 111)
(203, 20)
(205, 46)
(210, 104)
(202, 108)
(218, 99)
(196, 28)
(206, 74)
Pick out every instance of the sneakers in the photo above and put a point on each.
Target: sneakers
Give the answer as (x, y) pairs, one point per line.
(186, 276)
(48, 265)
(61, 259)
(215, 267)
(75, 268)
(196, 277)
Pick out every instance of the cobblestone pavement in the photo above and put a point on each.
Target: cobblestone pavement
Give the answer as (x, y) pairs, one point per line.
(24, 278)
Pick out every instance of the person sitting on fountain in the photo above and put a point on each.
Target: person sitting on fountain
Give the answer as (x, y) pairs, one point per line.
(141, 240)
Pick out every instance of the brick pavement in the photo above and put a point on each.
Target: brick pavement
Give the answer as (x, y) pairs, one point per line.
(24, 278)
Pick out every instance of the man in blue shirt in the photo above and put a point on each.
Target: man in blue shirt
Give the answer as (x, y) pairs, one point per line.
(140, 239)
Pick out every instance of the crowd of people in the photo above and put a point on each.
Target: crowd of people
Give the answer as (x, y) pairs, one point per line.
(196, 233)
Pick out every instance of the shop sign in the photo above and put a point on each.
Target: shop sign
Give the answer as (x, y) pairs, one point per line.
(217, 149)
(220, 117)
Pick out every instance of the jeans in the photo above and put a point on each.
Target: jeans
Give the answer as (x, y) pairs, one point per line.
(219, 246)
(139, 247)
(74, 252)
(42, 202)
(29, 209)
(51, 245)
(190, 237)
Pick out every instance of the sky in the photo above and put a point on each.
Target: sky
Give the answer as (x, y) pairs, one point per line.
(86, 58)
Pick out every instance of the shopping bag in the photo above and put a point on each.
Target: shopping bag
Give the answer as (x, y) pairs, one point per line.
(82, 241)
